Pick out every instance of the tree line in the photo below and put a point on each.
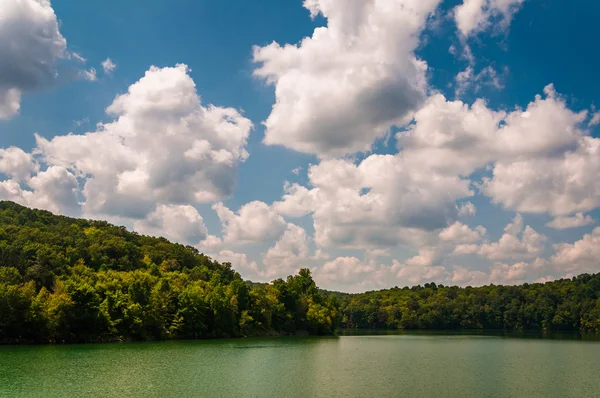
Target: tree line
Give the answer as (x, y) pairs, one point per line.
(562, 305)
(72, 280)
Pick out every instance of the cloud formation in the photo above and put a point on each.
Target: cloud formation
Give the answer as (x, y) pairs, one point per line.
(475, 16)
(347, 84)
(30, 45)
(163, 151)
(164, 147)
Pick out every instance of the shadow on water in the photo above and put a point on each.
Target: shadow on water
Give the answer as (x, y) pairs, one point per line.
(521, 334)
(282, 342)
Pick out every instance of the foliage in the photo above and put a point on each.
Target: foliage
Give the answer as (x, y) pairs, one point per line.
(562, 305)
(71, 280)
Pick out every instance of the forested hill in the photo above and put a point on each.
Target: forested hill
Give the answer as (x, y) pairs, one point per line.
(71, 280)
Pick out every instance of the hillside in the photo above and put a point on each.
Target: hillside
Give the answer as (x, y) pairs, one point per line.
(65, 279)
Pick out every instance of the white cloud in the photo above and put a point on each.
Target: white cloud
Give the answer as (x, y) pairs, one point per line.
(77, 57)
(459, 233)
(108, 66)
(297, 202)
(344, 271)
(347, 84)
(542, 160)
(255, 222)
(54, 189)
(467, 209)
(560, 185)
(30, 44)
(240, 263)
(575, 221)
(517, 273)
(468, 79)
(516, 243)
(16, 163)
(419, 269)
(579, 257)
(451, 137)
(381, 202)
(462, 276)
(595, 119)
(288, 255)
(409, 199)
(181, 223)
(474, 16)
(164, 147)
(89, 75)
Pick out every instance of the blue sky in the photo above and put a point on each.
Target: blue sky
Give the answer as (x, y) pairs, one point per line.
(351, 106)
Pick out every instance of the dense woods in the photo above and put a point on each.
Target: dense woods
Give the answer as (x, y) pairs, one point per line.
(72, 280)
(563, 305)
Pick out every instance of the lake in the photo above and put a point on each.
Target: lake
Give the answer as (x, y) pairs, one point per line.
(388, 365)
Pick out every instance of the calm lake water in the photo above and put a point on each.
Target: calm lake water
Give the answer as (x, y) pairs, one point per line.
(392, 365)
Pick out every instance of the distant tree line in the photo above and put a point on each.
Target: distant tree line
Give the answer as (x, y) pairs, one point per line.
(562, 305)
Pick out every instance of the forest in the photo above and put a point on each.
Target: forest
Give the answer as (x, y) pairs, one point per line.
(73, 280)
(562, 305)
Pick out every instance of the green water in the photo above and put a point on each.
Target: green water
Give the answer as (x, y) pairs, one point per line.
(411, 365)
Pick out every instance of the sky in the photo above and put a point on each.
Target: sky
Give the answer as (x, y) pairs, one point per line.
(379, 143)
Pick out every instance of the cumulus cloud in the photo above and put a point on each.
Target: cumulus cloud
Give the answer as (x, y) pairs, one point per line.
(461, 234)
(453, 137)
(239, 262)
(517, 273)
(516, 243)
(575, 221)
(164, 147)
(560, 185)
(54, 189)
(16, 163)
(298, 201)
(542, 159)
(579, 257)
(410, 198)
(30, 45)
(347, 84)
(344, 272)
(181, 223)
(381, 202)
(475, 16)
(254, 222)
(417, 270)
(288, 255)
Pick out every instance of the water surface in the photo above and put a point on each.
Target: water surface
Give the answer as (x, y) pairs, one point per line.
(394, 365)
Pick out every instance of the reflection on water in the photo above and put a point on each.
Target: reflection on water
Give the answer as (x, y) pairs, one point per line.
(518, 334)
